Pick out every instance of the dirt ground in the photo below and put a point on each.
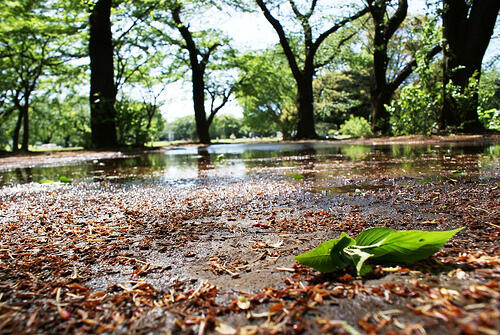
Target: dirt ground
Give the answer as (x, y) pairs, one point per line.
(216, 256)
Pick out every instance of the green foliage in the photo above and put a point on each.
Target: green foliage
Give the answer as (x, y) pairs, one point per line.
(490, 118)
(417, 34)
(223, 127)
(183, 128)
(64, 179)
(227, 126)
(137, 122)
(464, 97)
(220, 158)
(338, 95)
(377, 245)
(489, 90)
(417, 110)
(356, 127)
(489, 99)
(61, 120)
(328, 256)
(7, 124)
(42, 45)
(133, 45)
(266, 92)
(46, 181)
(35, 38)
(204, 56)
(341, 51)
(418, 107)
(356, 152)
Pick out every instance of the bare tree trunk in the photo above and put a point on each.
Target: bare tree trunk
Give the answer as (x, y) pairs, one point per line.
(26, 127)
(381, 90)
(305, 109)
(379, 99)
(467, 30)
(202, 125)
(102, 85)
(198, 62)
(17, 129)
(304, 76)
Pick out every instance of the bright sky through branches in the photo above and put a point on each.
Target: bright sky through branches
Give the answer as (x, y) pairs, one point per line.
(252, 31)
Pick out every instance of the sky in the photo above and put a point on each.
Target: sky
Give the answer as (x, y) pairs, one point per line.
(252, 31)
(248, 31)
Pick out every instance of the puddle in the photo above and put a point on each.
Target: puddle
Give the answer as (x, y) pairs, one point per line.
(313, 160)
(355, 189)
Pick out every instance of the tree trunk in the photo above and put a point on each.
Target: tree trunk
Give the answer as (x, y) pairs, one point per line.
(305, 108)
(17, 129)
(198, 67)
(304, 76)
(26, 127)
(381, 91)
(200, 115)
(467, 30)
(380, 94)
(379, 98)
(102, 85)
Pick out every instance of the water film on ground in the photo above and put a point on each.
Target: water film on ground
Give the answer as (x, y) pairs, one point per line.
(305, 161)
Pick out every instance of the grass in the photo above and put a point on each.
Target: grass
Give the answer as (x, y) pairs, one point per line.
(159, 144)
(58, 149)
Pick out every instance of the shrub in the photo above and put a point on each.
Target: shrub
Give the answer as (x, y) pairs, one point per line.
(418, 108)
(137, 122)
(356, 126)
(490, 118)
(416, 111)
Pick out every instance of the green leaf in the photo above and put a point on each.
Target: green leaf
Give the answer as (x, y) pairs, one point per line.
(46, 181)
(411, 245)
(373, 236)
(64, 179)
(328, 256)
(377, 244)
(298, 176)
(365, 269)
(359, 258)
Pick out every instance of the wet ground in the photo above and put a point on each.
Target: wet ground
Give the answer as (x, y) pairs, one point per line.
(202, 239)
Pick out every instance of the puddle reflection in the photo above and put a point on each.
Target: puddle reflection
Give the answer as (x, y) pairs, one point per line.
(314, 160)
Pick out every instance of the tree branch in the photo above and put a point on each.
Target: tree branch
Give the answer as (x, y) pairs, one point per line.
(313, 7)
(333, 55)
(396, 19)
(225, 99)
(297, 73)
(206, 55)
(408, 69)
(190, 45)
(336, 27)
(138, 19)
(295, 10)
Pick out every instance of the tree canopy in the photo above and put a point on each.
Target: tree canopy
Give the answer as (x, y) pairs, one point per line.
(105, 67)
